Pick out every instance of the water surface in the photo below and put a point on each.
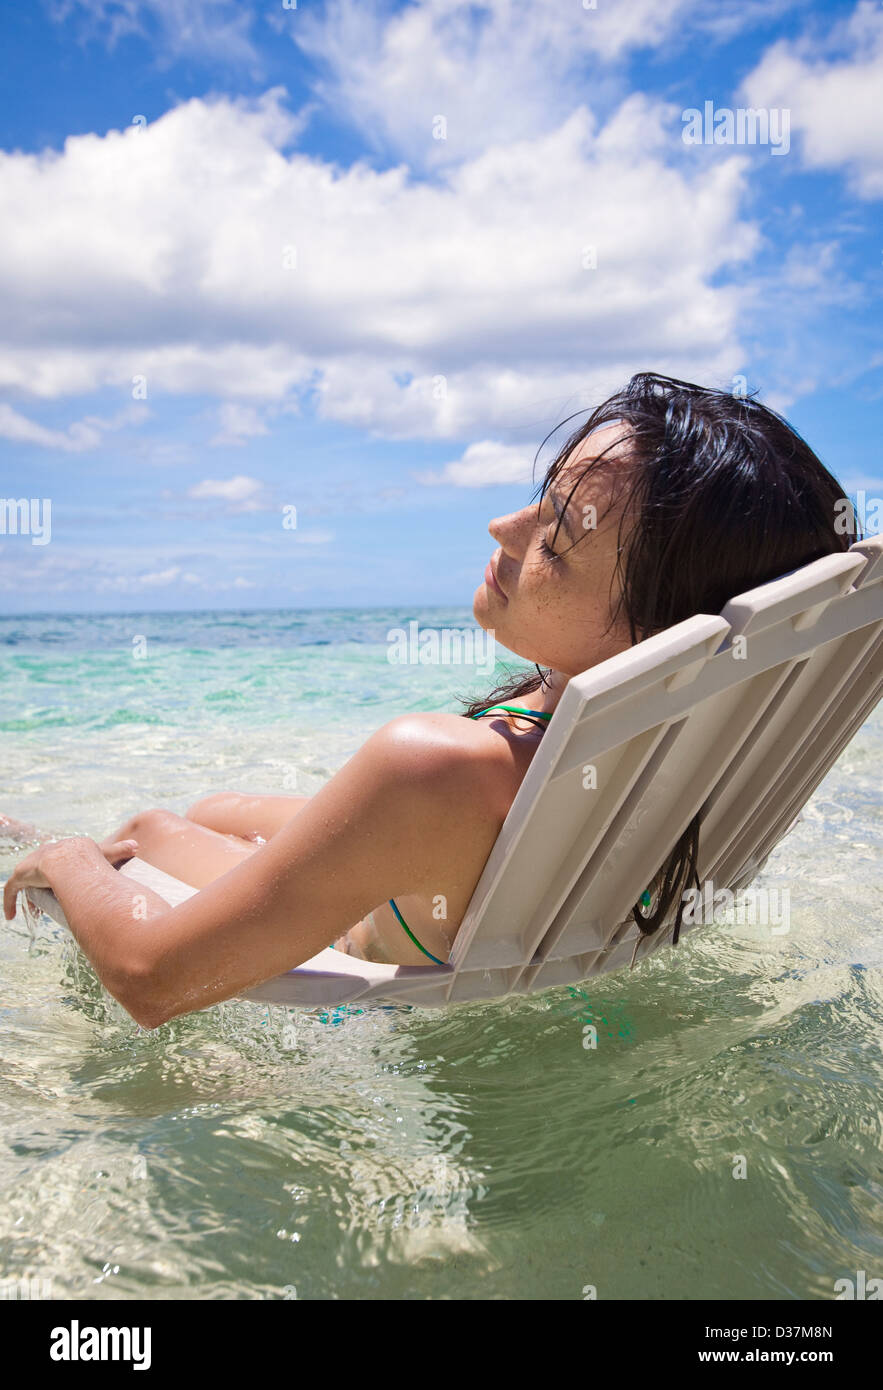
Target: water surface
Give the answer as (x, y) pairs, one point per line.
(477, 1152)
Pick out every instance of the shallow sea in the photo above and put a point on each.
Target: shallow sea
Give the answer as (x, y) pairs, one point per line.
(481, 1152)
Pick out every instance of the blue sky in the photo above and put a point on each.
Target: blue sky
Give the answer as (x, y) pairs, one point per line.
(334, 258)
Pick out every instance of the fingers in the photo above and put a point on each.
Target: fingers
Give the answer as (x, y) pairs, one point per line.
(10, 893)
(119, 851)
(116, 853)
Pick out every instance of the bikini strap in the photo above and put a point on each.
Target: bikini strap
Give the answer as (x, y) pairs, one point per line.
(403, 923)
(513, 709)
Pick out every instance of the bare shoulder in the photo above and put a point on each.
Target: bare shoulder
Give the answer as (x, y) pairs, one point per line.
(447, 752)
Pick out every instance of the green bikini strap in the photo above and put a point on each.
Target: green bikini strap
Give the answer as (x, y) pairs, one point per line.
(512, 709)
(412, 936)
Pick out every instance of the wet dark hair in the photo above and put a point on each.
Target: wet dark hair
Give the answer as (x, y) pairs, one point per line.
(719, 495)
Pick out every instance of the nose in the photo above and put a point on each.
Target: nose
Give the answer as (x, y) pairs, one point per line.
(510, 531)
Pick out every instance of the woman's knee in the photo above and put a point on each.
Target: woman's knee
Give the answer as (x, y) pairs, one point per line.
(206, 804)
(153, 821)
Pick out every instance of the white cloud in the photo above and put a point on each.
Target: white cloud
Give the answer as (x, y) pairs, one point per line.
(21, 430)
(256, 370)
(79, 436)
(833, 92)
(160, 579)
(372, 50)
(238, 423)
(463, 307)
(495, 72)
(727, 18)
(116, 569)
(207, 29)
(243, 494)
(482, 464)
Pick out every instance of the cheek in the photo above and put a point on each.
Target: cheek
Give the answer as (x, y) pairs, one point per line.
(548, 591)
(534, 600)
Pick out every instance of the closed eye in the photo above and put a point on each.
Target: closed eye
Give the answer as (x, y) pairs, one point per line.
(561, 523)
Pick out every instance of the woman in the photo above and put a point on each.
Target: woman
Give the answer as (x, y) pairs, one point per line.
(669, 500)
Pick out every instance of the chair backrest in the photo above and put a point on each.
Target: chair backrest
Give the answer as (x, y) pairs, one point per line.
(737, 716)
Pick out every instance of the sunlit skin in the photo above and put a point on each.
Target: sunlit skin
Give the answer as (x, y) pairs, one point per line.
(557, 609)
(413, 815)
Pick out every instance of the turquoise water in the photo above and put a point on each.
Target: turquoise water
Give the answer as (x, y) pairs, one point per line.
(480, 1152)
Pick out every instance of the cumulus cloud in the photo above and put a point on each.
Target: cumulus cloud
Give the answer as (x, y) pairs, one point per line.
(487, 298)
(832, 89)
(445, 79)
(482, 464)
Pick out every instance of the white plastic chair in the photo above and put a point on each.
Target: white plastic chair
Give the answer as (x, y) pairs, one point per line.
(740, 715)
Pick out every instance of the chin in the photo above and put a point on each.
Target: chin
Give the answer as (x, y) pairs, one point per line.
(480, 607)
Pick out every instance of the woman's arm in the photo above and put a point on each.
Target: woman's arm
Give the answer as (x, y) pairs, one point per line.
(81, 875)
(417, 807)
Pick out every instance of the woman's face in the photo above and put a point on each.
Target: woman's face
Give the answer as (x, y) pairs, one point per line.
(544, 597)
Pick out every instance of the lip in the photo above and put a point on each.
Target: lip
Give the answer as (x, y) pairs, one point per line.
(492, 582)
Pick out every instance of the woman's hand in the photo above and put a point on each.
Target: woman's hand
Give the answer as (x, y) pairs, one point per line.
(34, 870)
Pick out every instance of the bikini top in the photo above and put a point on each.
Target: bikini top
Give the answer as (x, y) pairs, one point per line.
(536, 715)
